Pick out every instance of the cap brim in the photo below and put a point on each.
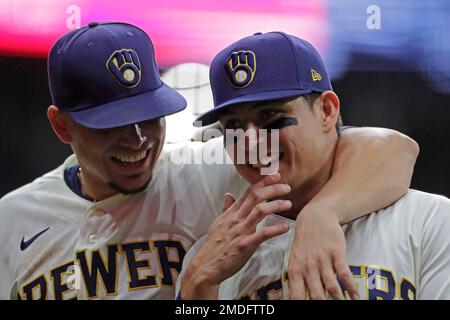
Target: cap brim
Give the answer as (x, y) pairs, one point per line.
(145, 106)
(213, 115)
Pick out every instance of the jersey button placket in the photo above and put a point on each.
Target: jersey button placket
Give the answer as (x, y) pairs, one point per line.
(93, 238)
(89, 226)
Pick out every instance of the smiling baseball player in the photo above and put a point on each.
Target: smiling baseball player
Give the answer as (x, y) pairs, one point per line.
(115, 219)
(400, 252)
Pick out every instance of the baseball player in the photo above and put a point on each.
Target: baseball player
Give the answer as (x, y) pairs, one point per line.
(115, 219)
(400, 252)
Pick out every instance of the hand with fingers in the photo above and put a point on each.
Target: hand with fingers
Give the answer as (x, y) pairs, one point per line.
(318, 258)
(233, 237)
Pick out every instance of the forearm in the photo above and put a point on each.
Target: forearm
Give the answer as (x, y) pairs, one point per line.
(372, 169)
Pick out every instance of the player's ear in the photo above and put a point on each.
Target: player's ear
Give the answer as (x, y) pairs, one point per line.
(330, 107)
(59, 123)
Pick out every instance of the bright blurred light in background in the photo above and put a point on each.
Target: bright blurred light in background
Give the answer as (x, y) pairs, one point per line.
(181, 30)
(411, 36)
(192, 81)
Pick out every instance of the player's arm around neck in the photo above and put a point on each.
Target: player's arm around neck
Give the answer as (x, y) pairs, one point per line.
(371, 170)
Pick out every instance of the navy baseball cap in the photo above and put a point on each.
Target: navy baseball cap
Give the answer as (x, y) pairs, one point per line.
(260, 67)
(105, 75)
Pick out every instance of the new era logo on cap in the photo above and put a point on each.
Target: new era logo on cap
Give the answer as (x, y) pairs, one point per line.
(315, 75)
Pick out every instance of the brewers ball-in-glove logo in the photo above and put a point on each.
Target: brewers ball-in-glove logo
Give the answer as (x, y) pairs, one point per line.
(125, 66)
(241, 68)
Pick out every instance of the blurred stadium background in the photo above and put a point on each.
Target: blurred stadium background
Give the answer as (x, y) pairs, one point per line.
(389, 61)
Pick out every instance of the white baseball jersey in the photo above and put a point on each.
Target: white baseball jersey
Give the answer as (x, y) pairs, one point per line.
(401, 252)
(58, 245)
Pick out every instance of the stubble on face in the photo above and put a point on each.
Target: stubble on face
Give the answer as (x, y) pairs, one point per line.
(123, 191)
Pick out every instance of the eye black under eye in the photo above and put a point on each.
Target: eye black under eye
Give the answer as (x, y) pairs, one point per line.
(281, 123)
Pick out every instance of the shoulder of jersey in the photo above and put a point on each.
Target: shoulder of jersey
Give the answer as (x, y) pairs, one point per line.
(421, 204)
(423, 198)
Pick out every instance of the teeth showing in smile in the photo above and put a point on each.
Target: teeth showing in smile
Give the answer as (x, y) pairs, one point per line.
(131, 158)
(266, 162)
